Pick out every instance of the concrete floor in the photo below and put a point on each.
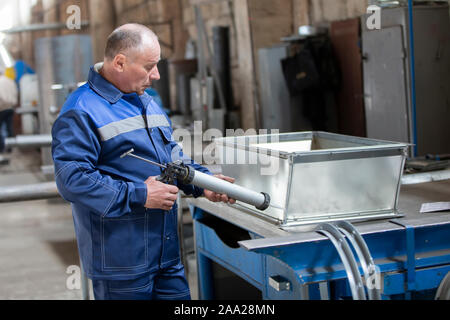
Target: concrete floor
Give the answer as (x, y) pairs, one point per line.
(37, 240)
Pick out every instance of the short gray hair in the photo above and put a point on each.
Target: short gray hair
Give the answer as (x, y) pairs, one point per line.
(124, 38)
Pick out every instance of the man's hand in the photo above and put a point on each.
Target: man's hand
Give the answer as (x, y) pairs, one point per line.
(217, 197)
(160, 195)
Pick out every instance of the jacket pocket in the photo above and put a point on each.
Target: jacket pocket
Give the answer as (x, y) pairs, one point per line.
(166, 134)
(124, 243)
(166, 137)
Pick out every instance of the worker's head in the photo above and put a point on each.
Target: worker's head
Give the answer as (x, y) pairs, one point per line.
(131, 56)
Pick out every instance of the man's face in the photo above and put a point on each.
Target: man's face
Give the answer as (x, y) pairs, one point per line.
(141, 69)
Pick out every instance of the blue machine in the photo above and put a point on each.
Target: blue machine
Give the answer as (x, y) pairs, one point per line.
(411, 255)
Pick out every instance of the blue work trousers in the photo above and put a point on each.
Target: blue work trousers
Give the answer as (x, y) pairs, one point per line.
(164, 284)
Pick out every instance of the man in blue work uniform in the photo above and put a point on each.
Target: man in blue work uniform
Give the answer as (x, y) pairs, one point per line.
(125, 220)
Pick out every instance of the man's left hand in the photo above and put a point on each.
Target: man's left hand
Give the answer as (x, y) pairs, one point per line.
(219, 197)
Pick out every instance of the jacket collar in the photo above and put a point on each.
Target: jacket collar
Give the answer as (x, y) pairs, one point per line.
(101, 86)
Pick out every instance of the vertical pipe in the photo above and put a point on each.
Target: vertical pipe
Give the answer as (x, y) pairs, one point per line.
(413, 75)
(183, 94)
(221, 61)
(200, 46)
(202, 72)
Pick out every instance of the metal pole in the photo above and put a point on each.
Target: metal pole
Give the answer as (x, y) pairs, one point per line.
(202, 73)
(347, 258)
(27, 141)
(39, 191)
(221, 62)
(41, 26)
(366, 260)
(413, 75)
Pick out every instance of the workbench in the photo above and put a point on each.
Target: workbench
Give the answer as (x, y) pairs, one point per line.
(411, 252)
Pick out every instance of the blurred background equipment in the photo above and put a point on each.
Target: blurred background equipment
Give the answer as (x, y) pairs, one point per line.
(63, 64)
(29, 100)
(299, 80)
(8, 100)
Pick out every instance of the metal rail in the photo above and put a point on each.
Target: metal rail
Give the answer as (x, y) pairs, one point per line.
(347, 258)
(41, 27)
(371, 273)
(38, 191)
(27, 141)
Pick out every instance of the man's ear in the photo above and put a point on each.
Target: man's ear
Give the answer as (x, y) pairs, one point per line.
(119, 62)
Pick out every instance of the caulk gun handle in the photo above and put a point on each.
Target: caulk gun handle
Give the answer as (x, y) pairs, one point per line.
(164, 179)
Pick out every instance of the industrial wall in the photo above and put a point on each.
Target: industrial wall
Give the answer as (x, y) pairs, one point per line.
(256, 24)
(253, 24)
(21, 44)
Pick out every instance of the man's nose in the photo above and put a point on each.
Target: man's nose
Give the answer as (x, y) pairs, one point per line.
(154, 75)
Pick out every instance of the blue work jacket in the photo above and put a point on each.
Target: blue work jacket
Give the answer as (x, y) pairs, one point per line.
(118, 238)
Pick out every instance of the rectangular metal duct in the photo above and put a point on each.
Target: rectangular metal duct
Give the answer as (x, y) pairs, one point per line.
(317, 176)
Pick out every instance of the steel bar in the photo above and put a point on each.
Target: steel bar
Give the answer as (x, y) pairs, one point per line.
(348, 260)
(201, 2)
(27, 141)
(424, 177)
(39, 191)
(364, 256)
(412, 65)
(41, 26)
(25, 110)
(131, 154)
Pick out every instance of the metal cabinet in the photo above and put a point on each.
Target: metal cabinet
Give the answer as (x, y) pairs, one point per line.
(387, 78)
(278, 109)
